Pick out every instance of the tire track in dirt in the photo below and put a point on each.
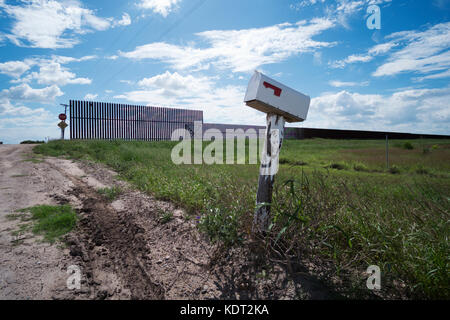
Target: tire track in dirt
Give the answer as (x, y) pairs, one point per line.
(110, 247)
(124, 247)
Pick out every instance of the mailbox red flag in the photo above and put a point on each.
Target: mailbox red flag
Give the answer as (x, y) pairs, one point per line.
(276, 90)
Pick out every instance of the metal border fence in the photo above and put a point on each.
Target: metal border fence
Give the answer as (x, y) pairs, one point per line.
(110, 121)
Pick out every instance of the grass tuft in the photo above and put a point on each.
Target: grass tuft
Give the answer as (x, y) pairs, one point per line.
(360, 167)
(165, 217)
(110, 193)
(408, 146)
(52, 221)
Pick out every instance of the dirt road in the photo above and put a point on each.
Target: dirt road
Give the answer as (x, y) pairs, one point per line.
(126, 249)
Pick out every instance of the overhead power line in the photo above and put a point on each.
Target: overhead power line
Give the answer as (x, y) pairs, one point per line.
(164, 33)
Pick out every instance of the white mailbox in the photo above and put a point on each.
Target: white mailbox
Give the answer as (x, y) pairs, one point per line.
(270, 96)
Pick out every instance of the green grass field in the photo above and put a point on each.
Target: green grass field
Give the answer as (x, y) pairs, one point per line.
(334, 200)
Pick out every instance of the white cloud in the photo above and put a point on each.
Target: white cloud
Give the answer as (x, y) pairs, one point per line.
(175, 55)
(125, 21)
(90, 96)
(411, 110)
(65, 59)
(50, 70)
(239, 50)
(14, 68)
(305, 3)
(18, 123)
(348, 7)
(338, 84)
(25, 93)
(317, 58)
(173, 84)
(425, 52)
(340, 5)
(53, 73)
(8, 109)
(382, 48)
(351, 59)
(162, 7)
(220, 104)
(51, 24)
(369, 56)
(169, 87)
(129, 82)
(440, 75)
(422, 52)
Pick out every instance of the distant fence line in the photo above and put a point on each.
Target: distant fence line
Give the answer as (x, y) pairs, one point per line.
(308, 133)
(99, 120)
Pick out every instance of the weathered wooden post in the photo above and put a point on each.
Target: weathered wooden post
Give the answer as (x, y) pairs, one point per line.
(281, 104)
(269, 167)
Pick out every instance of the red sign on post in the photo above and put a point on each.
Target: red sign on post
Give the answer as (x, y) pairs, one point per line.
(63, 125)
(62, 116)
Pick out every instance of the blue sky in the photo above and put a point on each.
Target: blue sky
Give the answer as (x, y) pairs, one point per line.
(200, 54)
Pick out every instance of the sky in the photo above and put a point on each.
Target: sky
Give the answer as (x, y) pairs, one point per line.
(200, 54)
